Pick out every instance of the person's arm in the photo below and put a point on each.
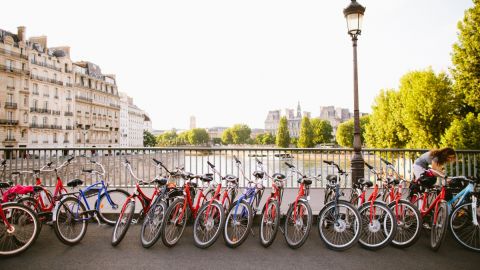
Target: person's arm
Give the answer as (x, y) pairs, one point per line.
(436, 165)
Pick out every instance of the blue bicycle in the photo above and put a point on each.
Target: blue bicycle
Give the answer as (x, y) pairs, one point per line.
(465, 217)
(240, 217)
(71, 215)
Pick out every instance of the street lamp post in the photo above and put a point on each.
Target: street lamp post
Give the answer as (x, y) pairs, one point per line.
(354, 15)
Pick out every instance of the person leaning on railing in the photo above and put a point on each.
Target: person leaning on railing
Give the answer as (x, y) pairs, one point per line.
(435, 158)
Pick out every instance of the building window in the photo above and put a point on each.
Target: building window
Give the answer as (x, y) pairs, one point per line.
(24, 134)
(34, 120)
(25, 101)
(25, 118)
(10, 115)
(45, 121)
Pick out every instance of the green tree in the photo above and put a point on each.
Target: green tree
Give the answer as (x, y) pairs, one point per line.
(259, 138)
(240, 133)
(167, 138)
(466, 60)
(227, 136)
(149, 139)
(386, 129)
(283, 135)
(197, 136)
(344, 134)
(463, 133)
(322, 131)
(268, 138)
(428, 107)
(305, 139)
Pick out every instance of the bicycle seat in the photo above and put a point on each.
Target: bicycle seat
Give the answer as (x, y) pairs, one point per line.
(74, 182)
(394, 181)
(332, 177)
(37, 188)
(15, 173)
(231, 178)
(365, 182)
(4, 185)
(279, 176)
(305, 181)
(193, 184)
(161, 181)
(259, 174)
(208, 177)
(87, 170)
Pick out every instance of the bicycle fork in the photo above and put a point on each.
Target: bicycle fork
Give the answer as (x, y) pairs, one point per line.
(474, 210)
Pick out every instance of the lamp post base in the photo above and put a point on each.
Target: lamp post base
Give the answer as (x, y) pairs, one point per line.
(358, 164)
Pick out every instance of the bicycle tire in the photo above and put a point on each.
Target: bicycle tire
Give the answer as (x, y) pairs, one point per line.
(123, 222)
(462, 211)
(375, 229)
(33, 205)
(306, 231)
(237, 240)
(118, 197)
(170, 224)
(327, 223)
(23, 216)
(439, 229)
(155, 217)
(81, 218)
(197, 225)
(404, 224)
(266, 239)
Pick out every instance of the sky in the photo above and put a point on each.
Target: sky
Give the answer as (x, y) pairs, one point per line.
(228, 62)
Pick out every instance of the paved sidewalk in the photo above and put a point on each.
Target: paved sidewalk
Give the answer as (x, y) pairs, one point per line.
(95, 252)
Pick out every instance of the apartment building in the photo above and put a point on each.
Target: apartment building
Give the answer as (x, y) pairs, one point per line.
(133, 121)
(294, 120)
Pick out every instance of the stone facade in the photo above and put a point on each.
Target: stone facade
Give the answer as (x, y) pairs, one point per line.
(294, 120)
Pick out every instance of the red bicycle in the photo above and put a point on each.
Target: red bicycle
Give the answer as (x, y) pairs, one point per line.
(178, 212)
(211, 216)
(153, 209)
(433, 200)
(299, 215)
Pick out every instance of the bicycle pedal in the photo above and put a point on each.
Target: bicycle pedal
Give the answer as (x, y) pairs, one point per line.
(134, 221)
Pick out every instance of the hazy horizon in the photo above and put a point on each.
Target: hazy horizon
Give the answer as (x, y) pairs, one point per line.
(232, 62)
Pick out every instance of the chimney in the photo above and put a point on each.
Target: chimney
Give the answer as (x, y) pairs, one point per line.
(21, 33)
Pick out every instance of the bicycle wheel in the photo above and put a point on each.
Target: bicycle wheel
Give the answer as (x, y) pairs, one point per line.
(339, 225)
(109, 212)
(409, 222)
(328, 196)
(298, 223)
(70, 221)
(378, 225)
(152, 224)
(208, 224)
(174, 223)
(439, 228)
(22, 232)
(238, 224)
(123, 222)
(462, 225)
(269, 223)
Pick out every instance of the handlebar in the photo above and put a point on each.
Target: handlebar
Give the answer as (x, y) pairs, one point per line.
(289, 165)
(369, 166)
(210, 164)
(258, 161)
(236, 159)
(329, 162)
(386, 161)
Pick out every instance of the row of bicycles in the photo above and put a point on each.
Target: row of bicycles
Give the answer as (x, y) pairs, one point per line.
(376, 214)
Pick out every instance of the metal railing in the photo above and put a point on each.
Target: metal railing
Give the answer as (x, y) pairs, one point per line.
(10, 105)
(194, 159)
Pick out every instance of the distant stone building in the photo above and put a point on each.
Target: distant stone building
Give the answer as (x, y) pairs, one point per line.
(215, 132)
(294, 120)
(335, 116)
(133, 121)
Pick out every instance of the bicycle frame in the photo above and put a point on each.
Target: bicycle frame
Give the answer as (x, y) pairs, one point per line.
(4, 219)
(424, 210)
(460, 197)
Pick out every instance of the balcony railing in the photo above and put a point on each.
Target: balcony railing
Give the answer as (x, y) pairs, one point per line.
(15, 54)
(10, 87)
(66, 141)
(69, 127)
(45, 126)
(44, 79)
(43, 64)
(10, 105)
(83, 98)
(36, 93)
(68, 113)
(69, 84)
(10, 139)
(46, 95)
(13, 70)
(56, 113)
(8, 122)
(68, 98)
(40, 110)
(194, 159)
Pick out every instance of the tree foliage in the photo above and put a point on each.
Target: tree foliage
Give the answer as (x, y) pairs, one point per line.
(463, 133)
(283, 135)
(345, 130)
(322, 131)
(466, 60)
(238, 134)
(149, 139)
(386, 129)
(265, 139)
(197, 136)
(305, 140)
(428, 106)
